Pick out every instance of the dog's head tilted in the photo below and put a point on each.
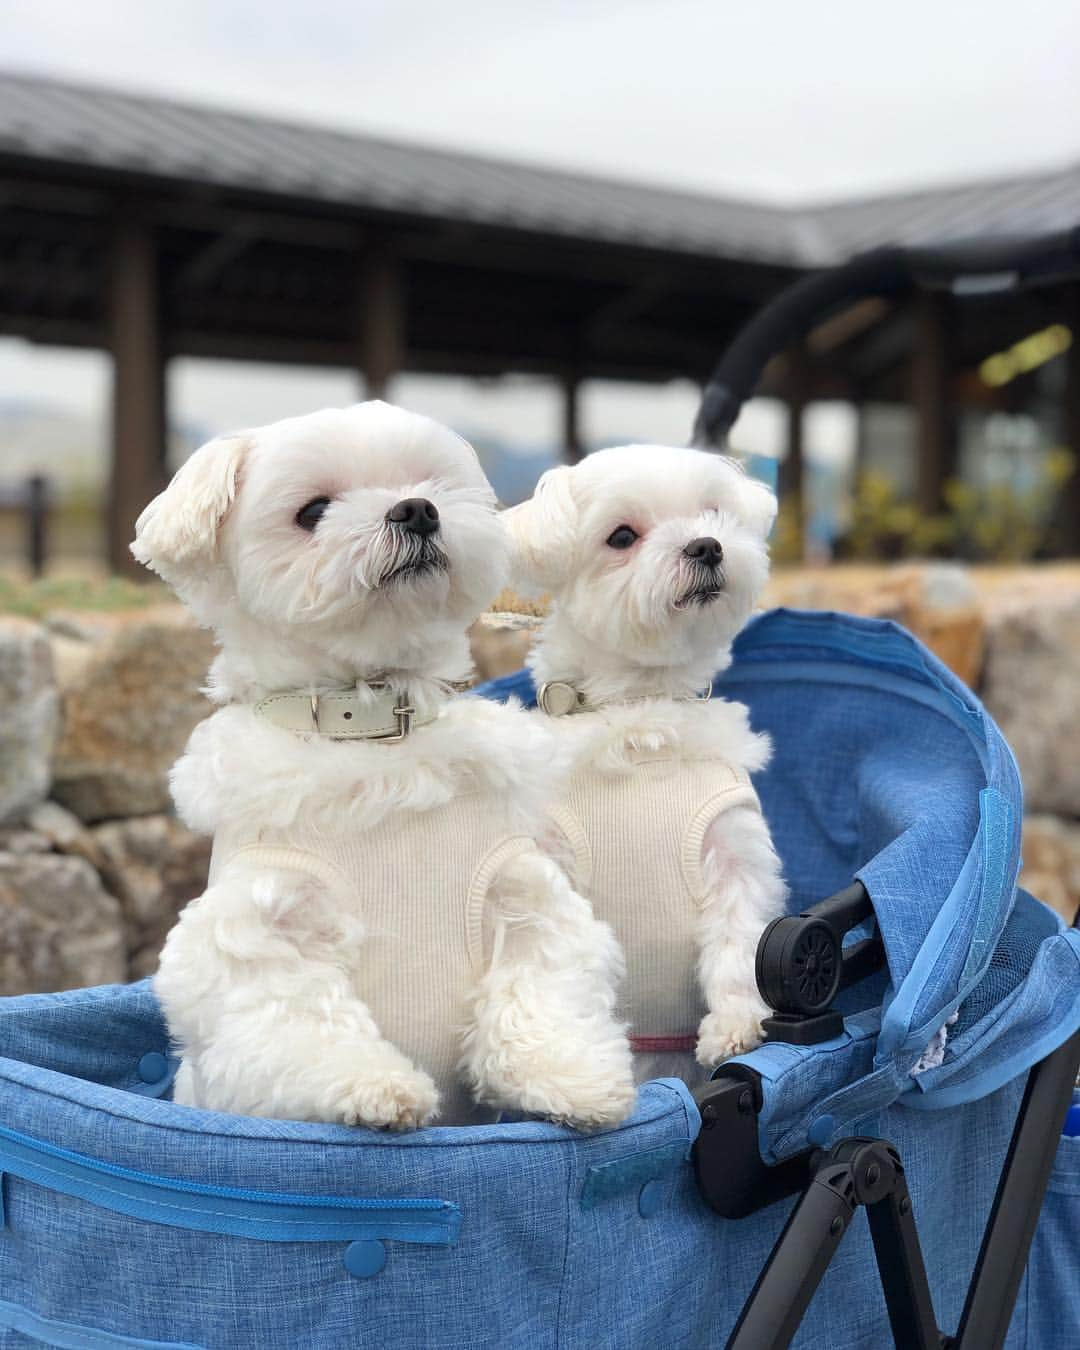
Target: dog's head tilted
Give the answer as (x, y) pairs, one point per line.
(654, 556)
(364, 537)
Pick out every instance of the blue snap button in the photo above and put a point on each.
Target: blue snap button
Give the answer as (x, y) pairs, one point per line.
(648, 1201)
(365, 1258)
(820, 1132)
(153, 1067)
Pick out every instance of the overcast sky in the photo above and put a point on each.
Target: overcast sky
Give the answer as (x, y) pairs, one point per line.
(778, 99)
(781, 98)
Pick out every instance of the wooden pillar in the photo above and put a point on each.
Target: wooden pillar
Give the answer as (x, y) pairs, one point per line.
(936, 444)
(138, 395)
(790, 482)
(858, 467)
(381, 322)
(573, 450)
(1070, 512)
(791, 466)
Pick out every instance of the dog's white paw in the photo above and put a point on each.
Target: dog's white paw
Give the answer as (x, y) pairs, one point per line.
(399, 1099)
(732, 1028)
(587, 1085)
(598, 1108)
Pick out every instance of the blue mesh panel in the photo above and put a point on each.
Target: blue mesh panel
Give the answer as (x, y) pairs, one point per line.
(1013, 957)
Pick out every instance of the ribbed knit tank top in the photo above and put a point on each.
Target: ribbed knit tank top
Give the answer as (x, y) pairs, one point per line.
(419, 881)
(637, 838)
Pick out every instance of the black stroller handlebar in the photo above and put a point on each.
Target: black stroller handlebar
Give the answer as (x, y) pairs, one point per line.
(966, 266)
(1019, 260)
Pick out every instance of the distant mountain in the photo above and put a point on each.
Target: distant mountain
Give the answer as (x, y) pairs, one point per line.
(513, 472)
(71, 449)
(39, 437)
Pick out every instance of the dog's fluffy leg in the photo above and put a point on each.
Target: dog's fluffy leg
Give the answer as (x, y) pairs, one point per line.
(254, 984)
(745, 891)
(543, 1036)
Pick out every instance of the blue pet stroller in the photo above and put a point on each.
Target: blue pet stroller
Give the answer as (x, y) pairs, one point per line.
(709, 1218)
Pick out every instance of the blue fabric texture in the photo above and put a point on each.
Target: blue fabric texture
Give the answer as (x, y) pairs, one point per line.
(1046, 1312)
(564, 1240)
(127, 1220)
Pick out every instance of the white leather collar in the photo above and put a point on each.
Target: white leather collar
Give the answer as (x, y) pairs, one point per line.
(382, 714)
(560, 698)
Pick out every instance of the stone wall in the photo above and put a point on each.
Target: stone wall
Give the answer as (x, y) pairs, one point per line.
(95, 708)
(93, 869)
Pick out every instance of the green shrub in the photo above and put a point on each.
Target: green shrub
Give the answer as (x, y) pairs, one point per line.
(33, 599)
(995, 523)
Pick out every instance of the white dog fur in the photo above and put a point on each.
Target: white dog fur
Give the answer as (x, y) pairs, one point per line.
(638, 631)
(264, 979)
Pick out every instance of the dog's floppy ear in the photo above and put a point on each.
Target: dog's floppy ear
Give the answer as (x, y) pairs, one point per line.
(754, 503)
(543, 530)
(177, 533)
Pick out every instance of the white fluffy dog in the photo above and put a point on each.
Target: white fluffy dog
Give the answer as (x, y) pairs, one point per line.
(655, 558)
(381, 940)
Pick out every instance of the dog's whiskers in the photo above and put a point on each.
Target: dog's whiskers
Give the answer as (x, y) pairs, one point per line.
(704, 584)
(406, 555)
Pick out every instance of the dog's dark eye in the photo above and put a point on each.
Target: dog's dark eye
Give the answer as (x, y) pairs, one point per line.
(622, 537)
(309, 516)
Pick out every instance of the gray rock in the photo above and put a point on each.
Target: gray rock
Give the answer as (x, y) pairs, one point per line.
(1031, 676)
(1051, 848)
(29, 716)
(13, 839)
(59, 927)
(131, 694)
(154, 865)
(64, 832)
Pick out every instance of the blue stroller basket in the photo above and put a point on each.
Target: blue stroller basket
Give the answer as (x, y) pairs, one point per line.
(130, 1221)
(721, 1216)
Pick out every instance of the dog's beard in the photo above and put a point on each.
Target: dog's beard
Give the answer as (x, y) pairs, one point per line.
(408, 557)
(700, 586)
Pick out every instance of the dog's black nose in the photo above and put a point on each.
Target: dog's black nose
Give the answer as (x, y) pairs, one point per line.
(416, 514)
(705, 551)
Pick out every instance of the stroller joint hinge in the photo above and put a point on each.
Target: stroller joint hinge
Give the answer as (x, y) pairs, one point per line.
(731, 1174)
(855, 1173)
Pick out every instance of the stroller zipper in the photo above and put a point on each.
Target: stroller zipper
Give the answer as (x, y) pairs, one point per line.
(263, 1215)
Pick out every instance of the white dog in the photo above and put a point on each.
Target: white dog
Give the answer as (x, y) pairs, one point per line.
(655, 558)
(380, 934)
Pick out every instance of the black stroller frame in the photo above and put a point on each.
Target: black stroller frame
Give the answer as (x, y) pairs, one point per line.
(802, 962)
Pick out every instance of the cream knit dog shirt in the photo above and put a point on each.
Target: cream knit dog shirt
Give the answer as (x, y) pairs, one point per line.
(649, 778)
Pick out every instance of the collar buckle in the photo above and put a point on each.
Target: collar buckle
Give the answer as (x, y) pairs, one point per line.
(404, 714)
